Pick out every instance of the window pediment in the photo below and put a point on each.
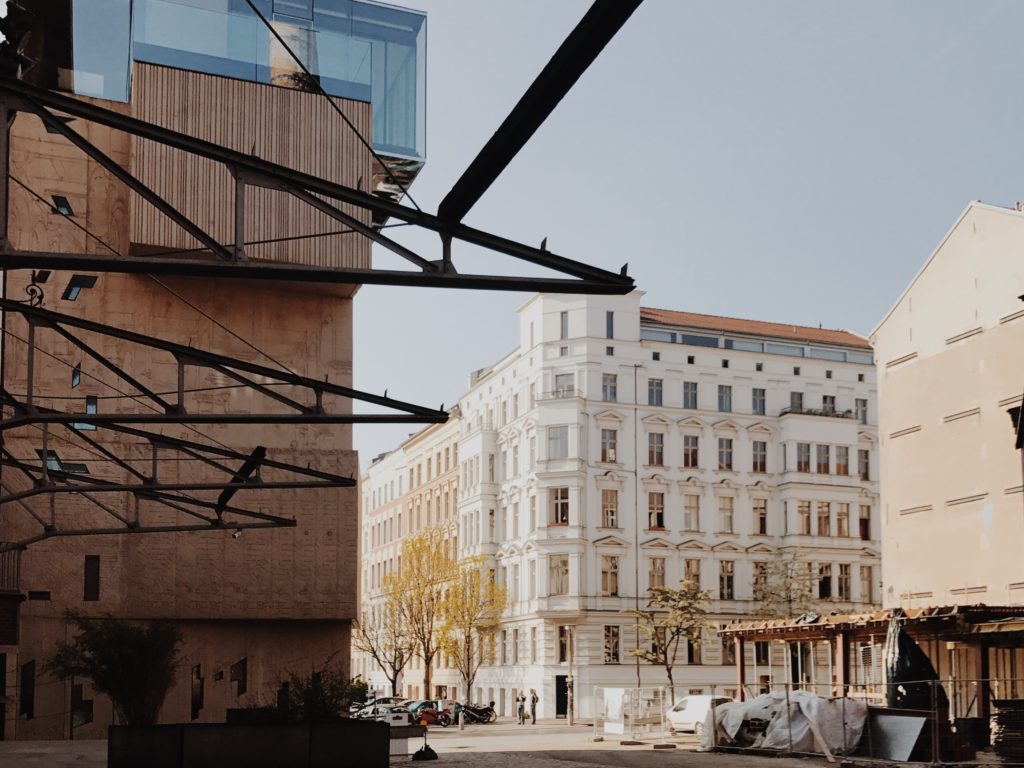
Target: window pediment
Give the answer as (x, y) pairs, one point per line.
(871, 552)
(691, 482)
(693, 545)
(725, 485)
(760, 428)
(658, 543)
(762, 549)
(656, 421)
(611, 541)
(690, 422)
(610, 416)
(726, 546)
(656, 482)
(610, 478)
(866, 437)
(726, 425)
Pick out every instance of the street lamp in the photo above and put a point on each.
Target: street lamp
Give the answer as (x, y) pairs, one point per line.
(569, 680)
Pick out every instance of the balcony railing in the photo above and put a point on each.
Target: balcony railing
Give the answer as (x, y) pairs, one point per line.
(818, 412)
(563, 393)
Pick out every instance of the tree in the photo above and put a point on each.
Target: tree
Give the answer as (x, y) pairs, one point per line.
(427, 569)
(384, 636)
(784, 588)
(323, 694)
(672, 615)
(134, 663)
(472, 609)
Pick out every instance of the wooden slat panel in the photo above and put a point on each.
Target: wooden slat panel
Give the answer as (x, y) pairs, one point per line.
(293, 128)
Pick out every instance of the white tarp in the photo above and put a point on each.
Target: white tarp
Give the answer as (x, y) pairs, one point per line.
(809, 724)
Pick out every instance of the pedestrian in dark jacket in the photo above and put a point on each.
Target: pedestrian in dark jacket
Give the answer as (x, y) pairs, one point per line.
(533, 705)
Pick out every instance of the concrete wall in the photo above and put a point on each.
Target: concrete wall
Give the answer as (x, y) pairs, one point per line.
(949, 367)
(299, 583)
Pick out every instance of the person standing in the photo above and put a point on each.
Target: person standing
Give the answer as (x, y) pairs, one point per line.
(521, 708)
(533, 705)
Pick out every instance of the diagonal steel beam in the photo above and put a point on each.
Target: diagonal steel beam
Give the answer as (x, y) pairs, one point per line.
(59, 126)
(570, 61)
(241, 477)
(19, 90)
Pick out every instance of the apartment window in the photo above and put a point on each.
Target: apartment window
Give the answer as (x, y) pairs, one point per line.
(558, 442)
(92, 578)
(689, 359)
(609, 444)
(655, 356)
(655, 510)
(609, 575)
(824, 518)
(803, 457)
(559, 501)
(563, 325)
(690, 394)
(654, 391)
(690, 451)
(725, 513)
(725, 453)
(656, 572)
(609, 508)
(760, 510)
(609, 351)
(864, 463)
(515, 646)
(239, 673)
(504, 646)
(656, 449)
(563, 642)
(564, 384)
(533, 645)
(824, 581)
(726, 570)
(724, 398)
(531, 577)
(828, 403)
(865, 522)
(691, 512)
(803, 510)
(609, 387)
(728, 650)
(609, 325)
(91, 407)
(796, 402)
(860, 409)
(611, 644)
(693, 655)
(867, 589)
(843, 582)
(760, 456)
(692, 571)
(533, 514)
(843, 519)
(823, 459)
(760, 576)
(558, 575)
(842, 460)
(761, 653)
(828, 374)
(758, 367)
(796, 370)
(757, 401)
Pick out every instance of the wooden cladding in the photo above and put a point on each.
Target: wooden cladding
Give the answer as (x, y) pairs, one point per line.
(293, 128)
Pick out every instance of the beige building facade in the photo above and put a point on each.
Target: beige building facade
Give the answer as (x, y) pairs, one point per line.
(949, 368)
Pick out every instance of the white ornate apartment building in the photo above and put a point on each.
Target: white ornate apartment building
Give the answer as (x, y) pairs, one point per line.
(619, 447)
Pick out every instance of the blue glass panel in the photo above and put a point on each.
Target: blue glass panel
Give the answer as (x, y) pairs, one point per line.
(784, 349)
(101, 46)
(746, 346)
(828, 354)
(698, 341)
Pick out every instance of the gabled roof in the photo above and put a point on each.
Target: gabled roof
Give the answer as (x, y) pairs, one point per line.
(800, 333)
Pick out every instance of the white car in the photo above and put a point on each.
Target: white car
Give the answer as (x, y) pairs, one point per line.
(689, 713)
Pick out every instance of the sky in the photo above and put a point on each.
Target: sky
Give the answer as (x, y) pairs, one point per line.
(786, 161)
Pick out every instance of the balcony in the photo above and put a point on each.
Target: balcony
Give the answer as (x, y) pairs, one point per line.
(818, 412)
(563, 393)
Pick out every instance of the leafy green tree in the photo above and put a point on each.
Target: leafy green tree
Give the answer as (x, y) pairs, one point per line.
(134, 663)
(671, 616)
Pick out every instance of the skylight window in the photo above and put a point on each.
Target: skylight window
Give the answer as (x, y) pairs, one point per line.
(62, 206)
(76, 284)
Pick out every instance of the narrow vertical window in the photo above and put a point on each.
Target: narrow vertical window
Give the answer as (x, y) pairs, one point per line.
(757, 401)
(690, 451)
(609, 508)
(760, 456)
(92, 578)
(611, 645)
(609, 325)
(724, 398)
(726, 574)
(654, 392)
(563, 325)
(725, 453)
(690, 394)
(655, 510)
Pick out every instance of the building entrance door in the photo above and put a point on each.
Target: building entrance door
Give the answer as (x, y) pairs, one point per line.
(561, 695)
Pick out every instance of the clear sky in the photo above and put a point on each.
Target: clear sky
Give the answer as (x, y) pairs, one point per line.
(788, 161)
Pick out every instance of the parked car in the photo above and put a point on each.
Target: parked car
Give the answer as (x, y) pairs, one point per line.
(362, 710)
(394, 714)
(689, 713)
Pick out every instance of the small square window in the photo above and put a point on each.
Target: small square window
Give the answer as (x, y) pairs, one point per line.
(655, 355)
(796, 370)
(62, 206)
(563, 351)
(76, 284)
(610, 351)
(689, 359)
(76, 375)
(828, 374)
(725, 363)
(860, 377)
(758, 366)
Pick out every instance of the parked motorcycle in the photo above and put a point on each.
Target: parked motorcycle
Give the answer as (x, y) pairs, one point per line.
(475, 713)
(430, 716)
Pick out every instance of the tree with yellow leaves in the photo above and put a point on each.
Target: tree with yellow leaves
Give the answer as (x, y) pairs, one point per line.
(427, 570)
(473, 604)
